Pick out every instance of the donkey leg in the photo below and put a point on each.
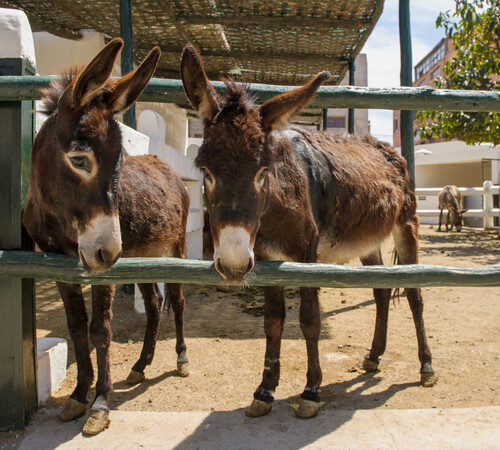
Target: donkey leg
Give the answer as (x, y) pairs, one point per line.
(274, 318)
(448, 222)
(382, 300)
(152, 301)
(440, 218)
(100, 334)
(76, 316)
(310, 324)
(174, 292)
(406, 240)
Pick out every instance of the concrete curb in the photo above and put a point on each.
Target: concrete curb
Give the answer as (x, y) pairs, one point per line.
(421, 428)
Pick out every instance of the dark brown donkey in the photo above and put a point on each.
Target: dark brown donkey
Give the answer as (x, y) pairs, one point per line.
(280, 193)
(88, 198)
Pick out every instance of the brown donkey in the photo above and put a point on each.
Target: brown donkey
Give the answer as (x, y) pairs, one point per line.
(451, 199)
(279, 193)
(88, 198)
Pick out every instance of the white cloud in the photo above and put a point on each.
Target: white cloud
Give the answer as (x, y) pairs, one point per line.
(382, 49)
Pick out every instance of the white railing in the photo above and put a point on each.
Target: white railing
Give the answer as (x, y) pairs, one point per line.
(488, 212)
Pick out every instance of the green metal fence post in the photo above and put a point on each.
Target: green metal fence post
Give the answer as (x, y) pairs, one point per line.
(325, 118)
(407, 141)
(350, 118)
(17, 296)
(126, 61)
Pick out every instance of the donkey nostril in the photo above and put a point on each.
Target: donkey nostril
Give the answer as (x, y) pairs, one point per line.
(250, 265)
(99, 256)
(220, 268)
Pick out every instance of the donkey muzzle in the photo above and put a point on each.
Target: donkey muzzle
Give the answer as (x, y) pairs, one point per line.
(100, 245)
(233, 257)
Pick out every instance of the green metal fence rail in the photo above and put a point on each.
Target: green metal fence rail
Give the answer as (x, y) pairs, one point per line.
(150, 270)
(414, 98)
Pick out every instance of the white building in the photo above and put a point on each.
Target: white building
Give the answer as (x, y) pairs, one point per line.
(337, 118)
(454, 162)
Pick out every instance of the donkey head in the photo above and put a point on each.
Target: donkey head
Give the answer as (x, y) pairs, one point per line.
(236, 159)
(457, 217)
(78, 153)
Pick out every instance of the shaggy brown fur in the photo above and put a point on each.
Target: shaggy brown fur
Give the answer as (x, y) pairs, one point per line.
(300, 196)
(148, 195)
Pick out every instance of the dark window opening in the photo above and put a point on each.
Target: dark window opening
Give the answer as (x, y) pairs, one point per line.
(336, 122)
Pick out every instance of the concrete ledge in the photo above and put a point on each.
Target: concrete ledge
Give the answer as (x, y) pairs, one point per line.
(430, 428)
(15, 36)
(52, 354)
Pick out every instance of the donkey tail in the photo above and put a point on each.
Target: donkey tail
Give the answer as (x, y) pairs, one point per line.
(395, 291)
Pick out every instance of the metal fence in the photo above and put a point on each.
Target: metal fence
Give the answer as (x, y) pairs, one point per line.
(18, 89)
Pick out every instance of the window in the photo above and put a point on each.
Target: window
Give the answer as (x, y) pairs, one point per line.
(336, 122)
(395, 125)
(437, 55)
(436, 72)
(195, 128)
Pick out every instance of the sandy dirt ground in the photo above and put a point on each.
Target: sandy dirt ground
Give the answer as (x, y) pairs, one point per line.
(225, 342)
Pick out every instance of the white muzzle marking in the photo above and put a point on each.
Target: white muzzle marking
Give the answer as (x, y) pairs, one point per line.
(234, 250)
(102, 233)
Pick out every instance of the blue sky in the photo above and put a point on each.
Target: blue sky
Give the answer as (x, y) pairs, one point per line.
(382, 50)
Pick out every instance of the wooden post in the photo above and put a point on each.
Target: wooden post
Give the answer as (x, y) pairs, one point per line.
(488, 219)
(17, 295)
(126, 60)
(407, 141)
(325, 119)
(350, 119)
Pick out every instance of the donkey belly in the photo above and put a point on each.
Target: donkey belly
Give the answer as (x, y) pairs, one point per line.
(342, 252)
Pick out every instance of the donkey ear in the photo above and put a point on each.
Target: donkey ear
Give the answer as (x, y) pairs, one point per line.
(92, 79)
(198, 89)
(128, 88)
(276, 112)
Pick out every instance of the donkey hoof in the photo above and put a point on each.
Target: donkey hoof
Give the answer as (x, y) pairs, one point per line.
(307, 409)
(72, 409)
(428, 379)
(369, 365)
(258, 408)
(183, 369)
(135, 377)
(97, 421)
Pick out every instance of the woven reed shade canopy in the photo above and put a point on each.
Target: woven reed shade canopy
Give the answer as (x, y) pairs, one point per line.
(271, 41)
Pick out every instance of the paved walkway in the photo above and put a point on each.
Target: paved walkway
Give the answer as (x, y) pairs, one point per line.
(431, 428)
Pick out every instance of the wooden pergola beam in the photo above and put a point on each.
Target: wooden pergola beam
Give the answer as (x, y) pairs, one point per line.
(170, 11)
(272, 21)
(37, 24)
(253, 56)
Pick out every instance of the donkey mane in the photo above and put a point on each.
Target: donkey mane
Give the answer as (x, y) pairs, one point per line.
(236, 100)
(51, 95)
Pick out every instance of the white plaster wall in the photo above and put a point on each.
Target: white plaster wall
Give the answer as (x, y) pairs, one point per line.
(56, 54)
(361, 123)
(16, 38)
(52, 359)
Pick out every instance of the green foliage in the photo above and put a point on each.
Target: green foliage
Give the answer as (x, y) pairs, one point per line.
(474, 28)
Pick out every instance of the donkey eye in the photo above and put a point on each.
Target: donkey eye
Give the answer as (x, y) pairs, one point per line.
(207, 175)
(81, 162)
(263, 174)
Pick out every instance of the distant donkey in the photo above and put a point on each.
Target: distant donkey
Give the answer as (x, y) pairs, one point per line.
(451, 199)
(89, 198)
(274, 192)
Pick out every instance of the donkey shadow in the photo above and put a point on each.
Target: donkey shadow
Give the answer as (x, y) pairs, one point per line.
(280, 429)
